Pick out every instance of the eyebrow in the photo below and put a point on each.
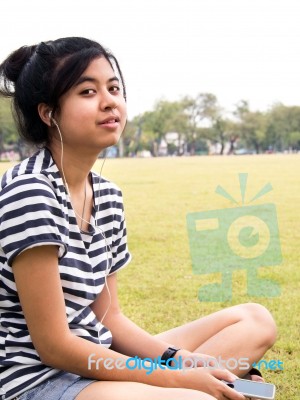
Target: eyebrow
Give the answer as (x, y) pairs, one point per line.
(85, 78)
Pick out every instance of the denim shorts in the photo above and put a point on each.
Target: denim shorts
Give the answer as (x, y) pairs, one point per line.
(64, 386)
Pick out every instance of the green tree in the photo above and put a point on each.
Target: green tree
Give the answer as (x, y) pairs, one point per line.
(166, 117)
(8, 132)
(131, 137)
(283, 125)
(252, 126)
(206, 120)
(293, 140)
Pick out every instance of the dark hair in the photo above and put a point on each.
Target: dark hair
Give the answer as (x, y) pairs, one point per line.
(42, 74)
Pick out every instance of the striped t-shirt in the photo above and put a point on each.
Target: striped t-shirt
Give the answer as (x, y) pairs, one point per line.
(35, 210)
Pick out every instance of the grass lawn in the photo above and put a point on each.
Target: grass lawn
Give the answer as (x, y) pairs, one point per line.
(159, 290)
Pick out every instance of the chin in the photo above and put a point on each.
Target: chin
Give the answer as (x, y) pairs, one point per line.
(113, 141)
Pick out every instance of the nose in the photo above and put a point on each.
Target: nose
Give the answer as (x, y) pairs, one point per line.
(108, 101)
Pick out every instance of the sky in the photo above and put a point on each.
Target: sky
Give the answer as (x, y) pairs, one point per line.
(235, 49)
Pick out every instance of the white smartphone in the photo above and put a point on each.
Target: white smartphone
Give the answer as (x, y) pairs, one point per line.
(253, 389)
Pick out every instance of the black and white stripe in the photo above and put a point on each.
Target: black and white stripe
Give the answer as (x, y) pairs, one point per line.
(35, 210)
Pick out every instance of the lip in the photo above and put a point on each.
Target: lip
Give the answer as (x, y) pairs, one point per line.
(110, 120)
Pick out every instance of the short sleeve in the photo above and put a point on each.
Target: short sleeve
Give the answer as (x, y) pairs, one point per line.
(120, 252)
(31, 215)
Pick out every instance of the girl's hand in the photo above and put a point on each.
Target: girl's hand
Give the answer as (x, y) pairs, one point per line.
(210, 381)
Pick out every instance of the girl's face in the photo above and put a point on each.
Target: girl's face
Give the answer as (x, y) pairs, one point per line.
(92, 114)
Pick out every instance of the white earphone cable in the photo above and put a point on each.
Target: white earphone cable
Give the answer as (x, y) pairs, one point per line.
(96, 227)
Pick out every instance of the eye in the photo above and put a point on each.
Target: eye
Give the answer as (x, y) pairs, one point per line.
(88, 91)
(114, 89)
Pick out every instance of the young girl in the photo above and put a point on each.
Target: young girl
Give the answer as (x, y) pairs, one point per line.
(63, 239)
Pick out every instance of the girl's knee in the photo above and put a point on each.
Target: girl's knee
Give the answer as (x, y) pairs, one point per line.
(262, 321)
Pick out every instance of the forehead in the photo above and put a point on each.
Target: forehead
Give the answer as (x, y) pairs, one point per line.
(99, 69)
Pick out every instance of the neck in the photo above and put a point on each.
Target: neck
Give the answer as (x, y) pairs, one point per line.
(75, 169)
(73, 166)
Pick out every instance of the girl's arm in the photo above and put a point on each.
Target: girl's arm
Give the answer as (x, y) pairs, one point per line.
(41, 296)
(128, 338)
(39, 288)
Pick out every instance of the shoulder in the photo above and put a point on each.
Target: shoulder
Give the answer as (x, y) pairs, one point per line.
(105, 185)
(37, 163)
(32, 177)
(27, 187)
(106, 190)
(108, 197)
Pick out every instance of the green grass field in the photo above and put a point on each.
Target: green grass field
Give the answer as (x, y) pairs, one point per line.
(158, 290)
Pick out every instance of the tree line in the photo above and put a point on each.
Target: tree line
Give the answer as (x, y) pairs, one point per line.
(9, 138)
(199, 123)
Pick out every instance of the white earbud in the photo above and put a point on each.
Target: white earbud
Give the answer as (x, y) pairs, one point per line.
(53, 120)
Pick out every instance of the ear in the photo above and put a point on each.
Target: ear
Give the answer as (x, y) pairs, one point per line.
(44, 113)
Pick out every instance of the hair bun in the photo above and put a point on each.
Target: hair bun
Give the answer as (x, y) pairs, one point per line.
(12, 67)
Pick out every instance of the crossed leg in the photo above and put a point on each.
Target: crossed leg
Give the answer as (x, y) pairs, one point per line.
(137, 391)
(245, 331)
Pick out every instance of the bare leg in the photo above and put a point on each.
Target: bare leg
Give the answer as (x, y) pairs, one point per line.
(137, 391)
(243, 331)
